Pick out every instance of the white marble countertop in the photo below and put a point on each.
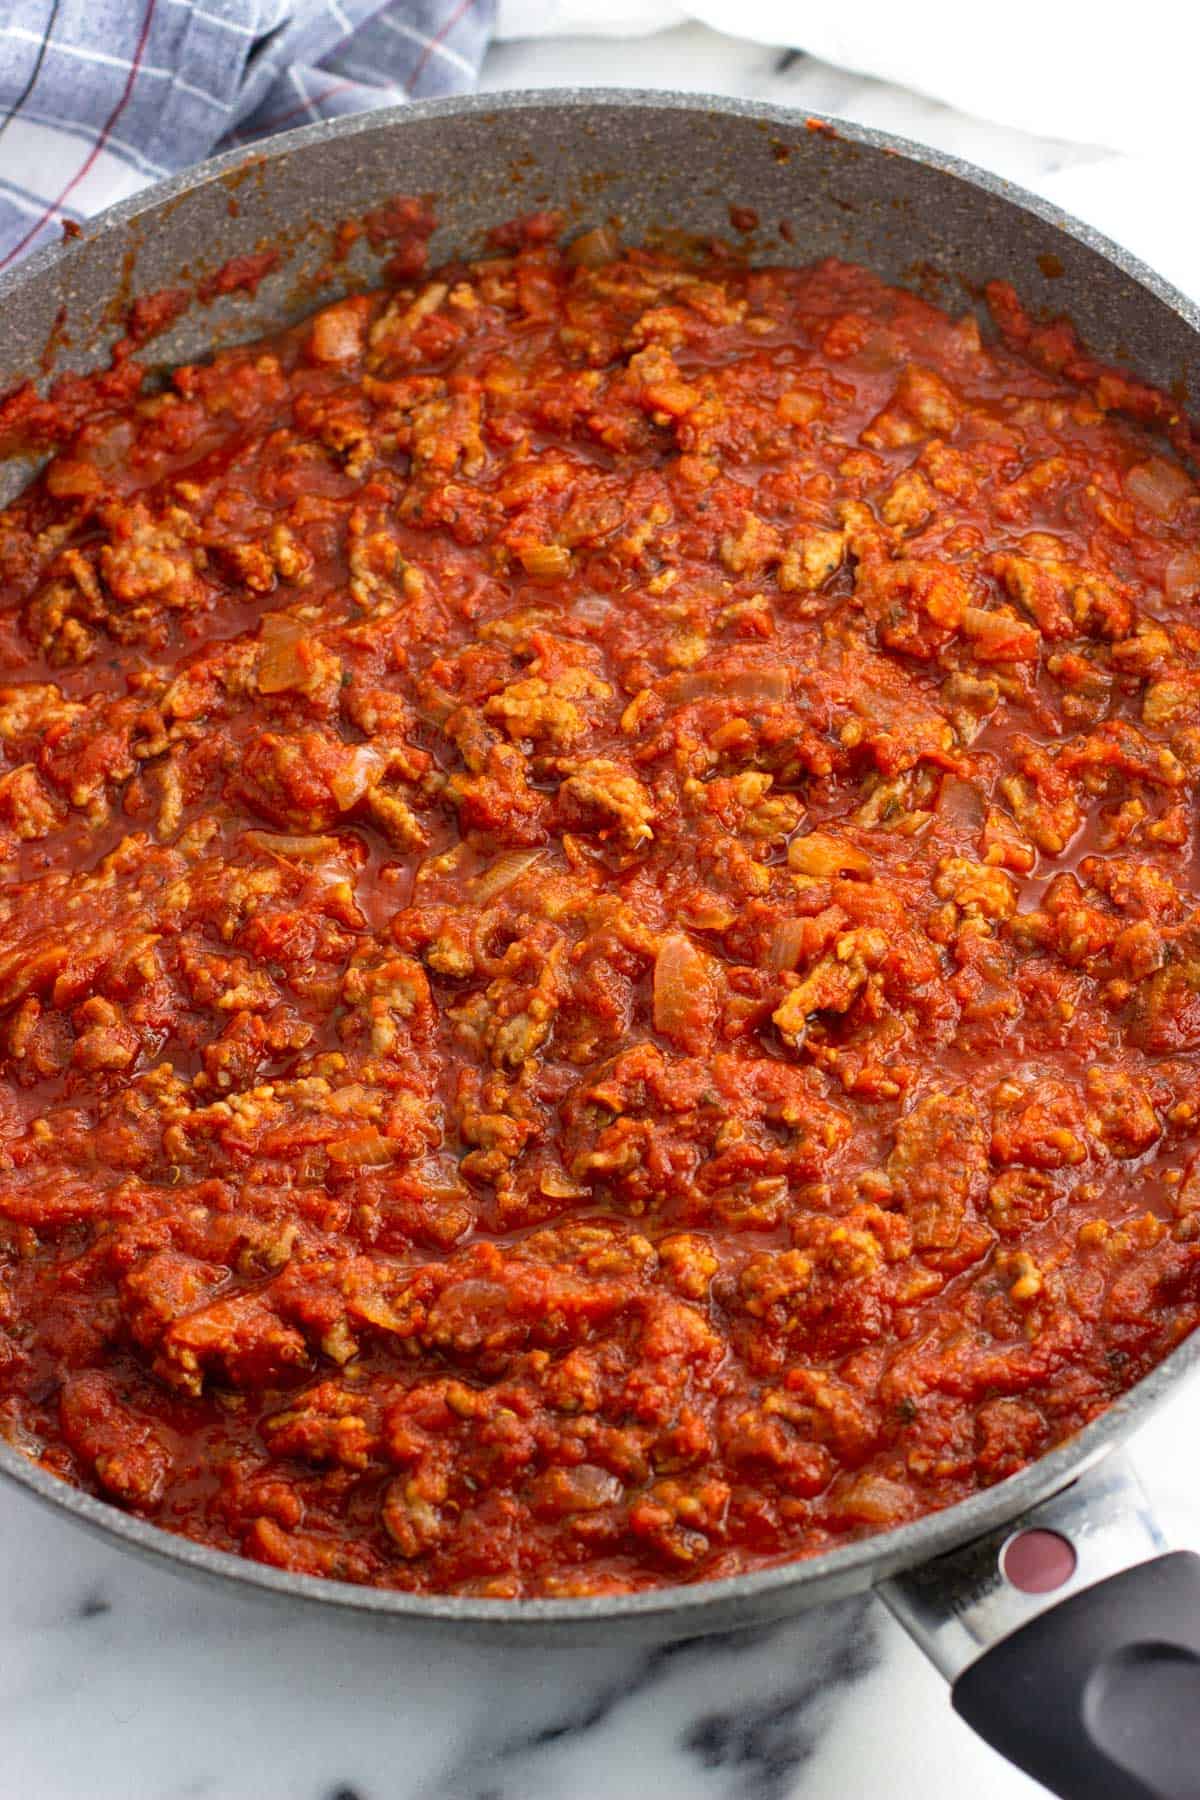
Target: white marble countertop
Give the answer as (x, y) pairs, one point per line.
(124, 1682)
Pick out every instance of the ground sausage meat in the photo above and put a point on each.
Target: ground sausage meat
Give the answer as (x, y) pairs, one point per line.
(599, 943)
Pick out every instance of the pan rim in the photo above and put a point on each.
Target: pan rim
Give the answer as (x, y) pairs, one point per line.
(515, 100)
(697, 1606)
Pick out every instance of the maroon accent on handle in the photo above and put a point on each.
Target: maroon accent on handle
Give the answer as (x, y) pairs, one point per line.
(1037, 1562)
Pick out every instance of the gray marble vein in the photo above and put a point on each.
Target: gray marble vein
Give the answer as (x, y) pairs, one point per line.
(750, 1710)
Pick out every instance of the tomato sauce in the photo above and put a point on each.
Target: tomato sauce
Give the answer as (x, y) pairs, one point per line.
(599, 947)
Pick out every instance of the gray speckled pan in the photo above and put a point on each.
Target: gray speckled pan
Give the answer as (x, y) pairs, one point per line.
(653, 160)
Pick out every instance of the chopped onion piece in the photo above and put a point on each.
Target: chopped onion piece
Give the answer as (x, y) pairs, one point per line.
(769, 685)
(502, 873)
(303, 848)
(282, 664)
(961, 804)
(1158, 485)
(788, 943)
(686, 992)
(362, 1149)
(872, 1499)
(583, 1487)
(350, 782)
(1182, 578)
(592, 249)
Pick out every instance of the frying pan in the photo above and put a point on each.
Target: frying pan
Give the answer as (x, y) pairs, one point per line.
(1091, 1684)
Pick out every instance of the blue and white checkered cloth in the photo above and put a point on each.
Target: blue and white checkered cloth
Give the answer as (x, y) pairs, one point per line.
(100, 97)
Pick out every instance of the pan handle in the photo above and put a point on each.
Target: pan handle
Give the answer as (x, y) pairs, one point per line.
(1072, 1642)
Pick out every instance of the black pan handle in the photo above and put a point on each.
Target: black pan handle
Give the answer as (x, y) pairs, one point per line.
(1071, 1642)
(1099, 1698)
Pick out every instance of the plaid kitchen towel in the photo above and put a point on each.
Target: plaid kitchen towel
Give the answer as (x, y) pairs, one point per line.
(99, 97)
